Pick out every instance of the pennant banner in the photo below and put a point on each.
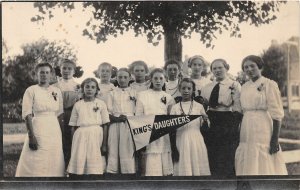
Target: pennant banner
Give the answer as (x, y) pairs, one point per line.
(148, 128)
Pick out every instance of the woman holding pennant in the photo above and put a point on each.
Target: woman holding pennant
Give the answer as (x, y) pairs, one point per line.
(158, 161)
(189, 152)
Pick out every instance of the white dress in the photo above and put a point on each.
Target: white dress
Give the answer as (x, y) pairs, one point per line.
(261, 102)
(48, 160)
(86, 156)
(158, 153)
(120, 143)
(193, 159)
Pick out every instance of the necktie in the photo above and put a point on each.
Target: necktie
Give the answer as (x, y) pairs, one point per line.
(214, 96)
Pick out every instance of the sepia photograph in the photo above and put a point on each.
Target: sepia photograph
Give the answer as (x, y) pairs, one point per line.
(150, 94)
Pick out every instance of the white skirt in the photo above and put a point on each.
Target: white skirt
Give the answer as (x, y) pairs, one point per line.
(86, 155)
(193, 159)
(120, 149)
(48, 159)
(252, 156)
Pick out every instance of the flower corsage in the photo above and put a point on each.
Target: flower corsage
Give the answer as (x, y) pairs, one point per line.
(132, 98)
(163, 100)
(96, 108)
(261, 87)
(232, 89)
(54, 94)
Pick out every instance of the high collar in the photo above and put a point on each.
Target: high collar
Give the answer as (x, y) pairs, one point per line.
(258, 81)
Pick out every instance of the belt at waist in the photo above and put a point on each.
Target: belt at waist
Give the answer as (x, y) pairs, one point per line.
(69, 108)
(254, 110)
(220, 108)
(44, 114)
(117, 114)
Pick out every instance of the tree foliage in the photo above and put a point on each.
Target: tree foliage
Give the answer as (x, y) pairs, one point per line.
(18, 71)
(275, 68)
(158, 18)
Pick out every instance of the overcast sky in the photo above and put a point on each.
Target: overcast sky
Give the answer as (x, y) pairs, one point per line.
(17, 29)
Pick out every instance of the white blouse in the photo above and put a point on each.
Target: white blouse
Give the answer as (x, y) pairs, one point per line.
(172, 88)
(122, 101)
(70, 91)
(104, 91)
(263, 94)
(229, 94)
(140, 86)
(89, 113)
(38, 99)
(150, 102)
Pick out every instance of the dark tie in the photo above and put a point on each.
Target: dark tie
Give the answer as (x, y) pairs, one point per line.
(214, 96)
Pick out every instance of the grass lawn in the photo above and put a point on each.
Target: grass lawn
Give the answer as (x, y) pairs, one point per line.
(14, 128)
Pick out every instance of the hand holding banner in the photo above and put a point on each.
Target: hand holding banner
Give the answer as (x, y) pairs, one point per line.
(148, 128)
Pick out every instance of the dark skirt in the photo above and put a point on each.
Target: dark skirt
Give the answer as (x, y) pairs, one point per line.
(222, 141)
(67, 136)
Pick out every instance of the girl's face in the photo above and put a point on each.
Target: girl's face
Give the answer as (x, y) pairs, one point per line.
(90, 89)
(139, 72)
(105, 73)
(197, 66)
(67, 70)
(44, 75)
(219, 70)
(251, 69)
(158, 81)
(172, 72)
(123, 78)
(186, 90)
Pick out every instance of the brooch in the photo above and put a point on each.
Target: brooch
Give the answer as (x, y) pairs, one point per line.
(163, 100)
(54, 94)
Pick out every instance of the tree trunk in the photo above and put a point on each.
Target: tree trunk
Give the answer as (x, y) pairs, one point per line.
(173, 45)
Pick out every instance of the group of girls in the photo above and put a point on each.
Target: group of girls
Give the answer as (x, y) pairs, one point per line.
(96, 138)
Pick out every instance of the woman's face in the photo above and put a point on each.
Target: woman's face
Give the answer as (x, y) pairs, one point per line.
(219, 70)
(251, 69)
(104, 72)
(67, 70)
(158, 81)
(90, 89)
(44, 75)
(197, 66)
(172, 72)
(186, 90)
(139, 72)
(123, 78)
